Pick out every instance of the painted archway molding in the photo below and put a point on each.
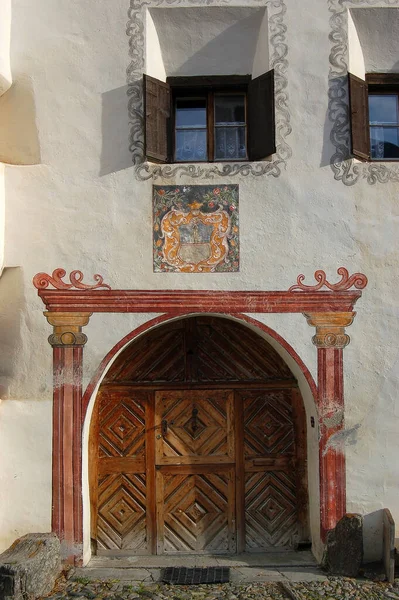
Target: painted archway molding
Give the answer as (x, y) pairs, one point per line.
(69, 307)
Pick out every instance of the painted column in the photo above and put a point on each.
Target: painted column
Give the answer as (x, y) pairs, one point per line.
(330, 340)
(67, 341)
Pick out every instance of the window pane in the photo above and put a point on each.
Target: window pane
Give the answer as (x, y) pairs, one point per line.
(191, 113)
(230, 109)
(230, 143)
(384, 142)
(383, 109)
(191, 145)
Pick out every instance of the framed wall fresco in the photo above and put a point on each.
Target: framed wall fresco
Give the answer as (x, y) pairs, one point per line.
(195, 229)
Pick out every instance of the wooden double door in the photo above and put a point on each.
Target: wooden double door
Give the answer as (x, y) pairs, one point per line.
(198, 471)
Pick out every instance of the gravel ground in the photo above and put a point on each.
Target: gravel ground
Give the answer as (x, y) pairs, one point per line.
(334, 588)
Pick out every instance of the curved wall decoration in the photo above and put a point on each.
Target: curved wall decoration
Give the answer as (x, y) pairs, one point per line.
(278, 61)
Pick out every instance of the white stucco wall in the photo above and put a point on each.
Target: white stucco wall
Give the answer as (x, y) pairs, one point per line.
(213, 40)
(5, 29)
(83, 208)
(2, 216)
(154, 64)
(356, 58)
(378, 32)
(261, 62)
(5, 83)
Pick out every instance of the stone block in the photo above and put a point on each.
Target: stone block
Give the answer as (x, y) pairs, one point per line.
(29, 568)
(343, 554)
(388, 538)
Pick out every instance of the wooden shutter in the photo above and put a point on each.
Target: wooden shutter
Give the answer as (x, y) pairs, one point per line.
(359, 116)
(157, 119)
(261, 122)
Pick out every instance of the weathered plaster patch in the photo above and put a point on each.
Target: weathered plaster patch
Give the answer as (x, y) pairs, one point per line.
(346, 169)
(61, 378)
(338, 440)
(278, 50)
(334, 420)
(196, 229)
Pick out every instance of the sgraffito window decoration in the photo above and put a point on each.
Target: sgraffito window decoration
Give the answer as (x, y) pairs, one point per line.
(196, 229)
(192, 167)
(345, 168)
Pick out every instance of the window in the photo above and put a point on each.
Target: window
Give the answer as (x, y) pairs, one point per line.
(374, 107)
(210, 127)
(208, 119)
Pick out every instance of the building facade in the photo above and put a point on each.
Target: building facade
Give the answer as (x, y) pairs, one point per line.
(170, 167)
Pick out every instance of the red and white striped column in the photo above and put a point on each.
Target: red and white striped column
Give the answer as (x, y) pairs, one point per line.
(330, 340)
(67, 341)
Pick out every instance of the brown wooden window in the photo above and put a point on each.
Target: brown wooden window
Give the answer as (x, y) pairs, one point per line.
(374, 109)
(207, 119)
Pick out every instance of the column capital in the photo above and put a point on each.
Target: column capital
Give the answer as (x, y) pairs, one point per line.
(330, 328)
(67, 328)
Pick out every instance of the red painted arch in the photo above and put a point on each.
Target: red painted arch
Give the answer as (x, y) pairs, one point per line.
(148, 325)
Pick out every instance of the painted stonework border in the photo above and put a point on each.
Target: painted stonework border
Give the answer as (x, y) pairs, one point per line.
(349, 170)
(69, 308)
(278, 61)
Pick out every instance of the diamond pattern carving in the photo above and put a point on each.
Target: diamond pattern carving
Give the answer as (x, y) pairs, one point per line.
(270, 509)
(122, 512)
(122, 427)
(210, 433)
(268, 423)
(196, 513)
(195, 482)
(195, 431)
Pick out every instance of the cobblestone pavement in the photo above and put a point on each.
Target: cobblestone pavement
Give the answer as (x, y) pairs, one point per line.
(333, 588)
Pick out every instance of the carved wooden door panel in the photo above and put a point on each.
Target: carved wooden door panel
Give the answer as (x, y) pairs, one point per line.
(123, 478)
(204, 471)
(271, 474)
(195, 472)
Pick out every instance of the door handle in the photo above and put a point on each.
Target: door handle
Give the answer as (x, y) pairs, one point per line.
(164, 427)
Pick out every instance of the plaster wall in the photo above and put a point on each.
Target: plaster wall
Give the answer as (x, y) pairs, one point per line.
(378, 31)
(5, 27)
(5, 83)
(215, 40)
(70, 211)
(25, 484)
(261, 62)
(2, 217)
(154, 64)
(356, 58)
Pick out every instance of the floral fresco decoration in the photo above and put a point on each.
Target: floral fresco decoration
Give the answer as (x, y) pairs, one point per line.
(196, 229)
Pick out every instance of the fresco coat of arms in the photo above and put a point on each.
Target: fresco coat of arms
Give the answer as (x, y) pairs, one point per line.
(196, 229)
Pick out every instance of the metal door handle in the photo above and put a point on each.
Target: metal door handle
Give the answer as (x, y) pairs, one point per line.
(164, 427)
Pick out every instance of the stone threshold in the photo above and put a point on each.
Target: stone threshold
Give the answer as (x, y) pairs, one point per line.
(275, 559)
(244, 568)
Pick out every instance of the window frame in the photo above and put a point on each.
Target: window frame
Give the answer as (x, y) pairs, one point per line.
(359, 93)
(208, 91)
(383, 84)
(159, 126)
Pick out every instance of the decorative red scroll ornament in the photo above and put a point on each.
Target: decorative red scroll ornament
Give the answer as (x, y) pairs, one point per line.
(41, 281)
(358, 280)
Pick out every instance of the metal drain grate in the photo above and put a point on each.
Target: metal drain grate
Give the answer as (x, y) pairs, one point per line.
(185, 576)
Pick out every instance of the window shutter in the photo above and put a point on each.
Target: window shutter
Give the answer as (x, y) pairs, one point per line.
(359, 116)
(261, 124)
(157, 119)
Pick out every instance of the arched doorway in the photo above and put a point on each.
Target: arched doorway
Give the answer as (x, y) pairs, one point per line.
(198, 445)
